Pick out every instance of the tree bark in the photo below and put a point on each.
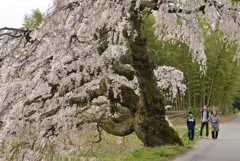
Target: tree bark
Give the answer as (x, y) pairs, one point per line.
(149, 124)
(149, 120)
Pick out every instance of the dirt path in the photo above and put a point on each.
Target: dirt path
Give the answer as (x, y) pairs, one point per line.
(225, 148)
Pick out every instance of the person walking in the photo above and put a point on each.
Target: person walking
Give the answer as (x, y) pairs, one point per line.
(204, 120)
(191, 122)
(214, 119)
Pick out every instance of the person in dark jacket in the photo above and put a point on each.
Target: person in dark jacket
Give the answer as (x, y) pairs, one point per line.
(204, 120)
(191, 122)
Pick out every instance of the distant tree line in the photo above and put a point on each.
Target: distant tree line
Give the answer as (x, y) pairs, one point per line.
(218, 86)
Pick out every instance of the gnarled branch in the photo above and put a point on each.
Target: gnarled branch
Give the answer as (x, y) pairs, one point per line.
(120, 126)
(123, 70)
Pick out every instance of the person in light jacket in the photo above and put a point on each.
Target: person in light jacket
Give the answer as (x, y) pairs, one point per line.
(214, 119)
(204, 120)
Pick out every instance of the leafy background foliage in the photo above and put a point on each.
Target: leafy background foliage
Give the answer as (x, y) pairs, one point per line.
(218, 87)
(33, 20)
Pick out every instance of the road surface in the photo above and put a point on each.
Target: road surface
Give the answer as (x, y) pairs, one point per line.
(225, 148)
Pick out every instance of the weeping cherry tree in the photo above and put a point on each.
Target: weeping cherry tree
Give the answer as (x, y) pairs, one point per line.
(89, 63)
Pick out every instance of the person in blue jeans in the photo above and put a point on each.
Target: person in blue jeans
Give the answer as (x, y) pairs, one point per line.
(191, 122)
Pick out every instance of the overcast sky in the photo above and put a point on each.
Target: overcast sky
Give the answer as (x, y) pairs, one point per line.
(12, 11)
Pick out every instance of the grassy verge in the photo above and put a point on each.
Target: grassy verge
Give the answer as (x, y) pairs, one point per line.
(130, 148)
(163, 153)
(229, 117)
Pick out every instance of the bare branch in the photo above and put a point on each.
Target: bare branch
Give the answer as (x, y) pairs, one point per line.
(99, 134)
(200, 9)
(70, 6)
(74, 37)
(13, 31)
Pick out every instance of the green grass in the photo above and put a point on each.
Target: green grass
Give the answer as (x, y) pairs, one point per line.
(158, 153)
(161, 153)
(131, 149)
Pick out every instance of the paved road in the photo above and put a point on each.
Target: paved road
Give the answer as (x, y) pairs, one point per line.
(225, 148)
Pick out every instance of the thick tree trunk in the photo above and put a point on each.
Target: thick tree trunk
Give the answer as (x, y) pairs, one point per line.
(149, 124)
(147, 119)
